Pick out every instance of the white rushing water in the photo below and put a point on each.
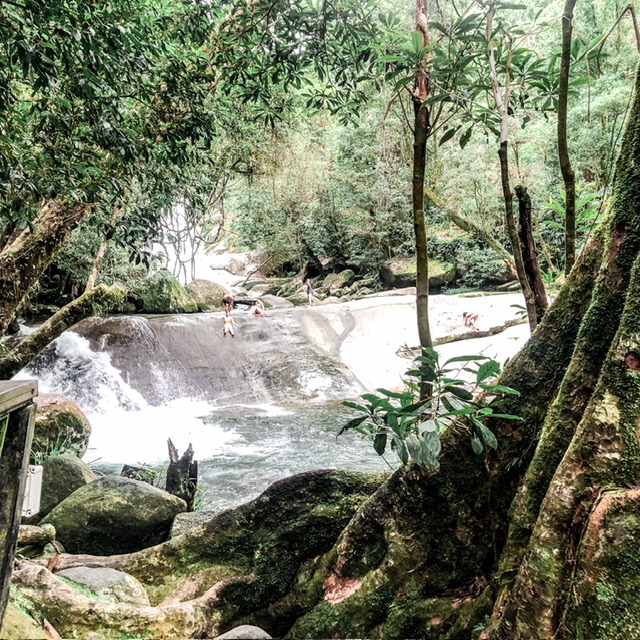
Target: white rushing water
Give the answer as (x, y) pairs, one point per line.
(242, 447)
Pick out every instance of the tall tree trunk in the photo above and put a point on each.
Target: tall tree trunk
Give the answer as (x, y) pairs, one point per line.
(568, 175)
(25, 259)
(529, 256)
(420, 135)
(502, 104)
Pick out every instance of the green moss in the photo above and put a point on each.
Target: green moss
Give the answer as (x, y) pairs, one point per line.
(164, 294)
(18, 624)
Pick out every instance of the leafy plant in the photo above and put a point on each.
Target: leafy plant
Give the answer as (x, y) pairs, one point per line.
(412, 427)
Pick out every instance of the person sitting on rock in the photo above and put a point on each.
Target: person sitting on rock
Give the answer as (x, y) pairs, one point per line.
(227, 326)
(258, 309)
(470, 319)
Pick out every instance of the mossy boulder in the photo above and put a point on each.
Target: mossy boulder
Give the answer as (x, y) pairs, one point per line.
(164, 294)
(60, 427)
(114, 515)
(17, 624)
(276, 302)
(402, 273)
(61, 476)
(109, 585)
(336, 281)
(185, 521)
(207, 295)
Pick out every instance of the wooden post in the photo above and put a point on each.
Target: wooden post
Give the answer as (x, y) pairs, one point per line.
(18, 409)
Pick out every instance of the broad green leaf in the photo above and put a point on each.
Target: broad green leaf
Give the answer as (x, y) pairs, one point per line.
(353, 405)
(463, 394)
(466, 359)
(414, 448)
(380, 443)
(488, 437)
(499, 387)
(487, 370)
(432, 442)
(476, 445)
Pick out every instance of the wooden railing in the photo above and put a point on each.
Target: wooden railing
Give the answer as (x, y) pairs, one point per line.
(17, 412)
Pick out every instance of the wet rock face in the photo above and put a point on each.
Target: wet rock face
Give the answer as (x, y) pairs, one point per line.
(60, 427)
(61, 476)
(169, 357)
(109, 585)
(114, 515)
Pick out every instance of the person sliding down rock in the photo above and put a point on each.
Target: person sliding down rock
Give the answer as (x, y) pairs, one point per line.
(227, 326)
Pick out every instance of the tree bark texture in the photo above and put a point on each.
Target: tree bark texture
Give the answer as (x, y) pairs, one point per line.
(99, 300)
(529, 255)
(25, 259)
(420, 135)
(568, 175)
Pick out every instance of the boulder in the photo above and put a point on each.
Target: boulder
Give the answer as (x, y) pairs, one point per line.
(301, 298)
(335, 281)
(30, 534)
(61, 476)
(189, 520)
(236, 266)
(114, 515)
(402, 273)
(164, 294)
(108, 585)
(60, 427)
(18, 624)
(244, 632)
(208, 295)
(276, 302)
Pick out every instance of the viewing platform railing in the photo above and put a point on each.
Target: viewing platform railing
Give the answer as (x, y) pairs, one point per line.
(17, 412)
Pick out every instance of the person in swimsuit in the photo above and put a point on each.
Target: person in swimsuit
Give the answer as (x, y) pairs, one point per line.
(258, 309)
(227, 300)
(227, 326)
(470, 320)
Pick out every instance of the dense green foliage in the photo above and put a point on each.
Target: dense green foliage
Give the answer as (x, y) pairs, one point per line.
(412, 427)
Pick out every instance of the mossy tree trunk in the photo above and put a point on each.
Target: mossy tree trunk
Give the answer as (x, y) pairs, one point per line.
(24, 260)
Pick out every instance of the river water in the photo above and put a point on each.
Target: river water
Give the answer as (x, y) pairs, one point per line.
(258, 408)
